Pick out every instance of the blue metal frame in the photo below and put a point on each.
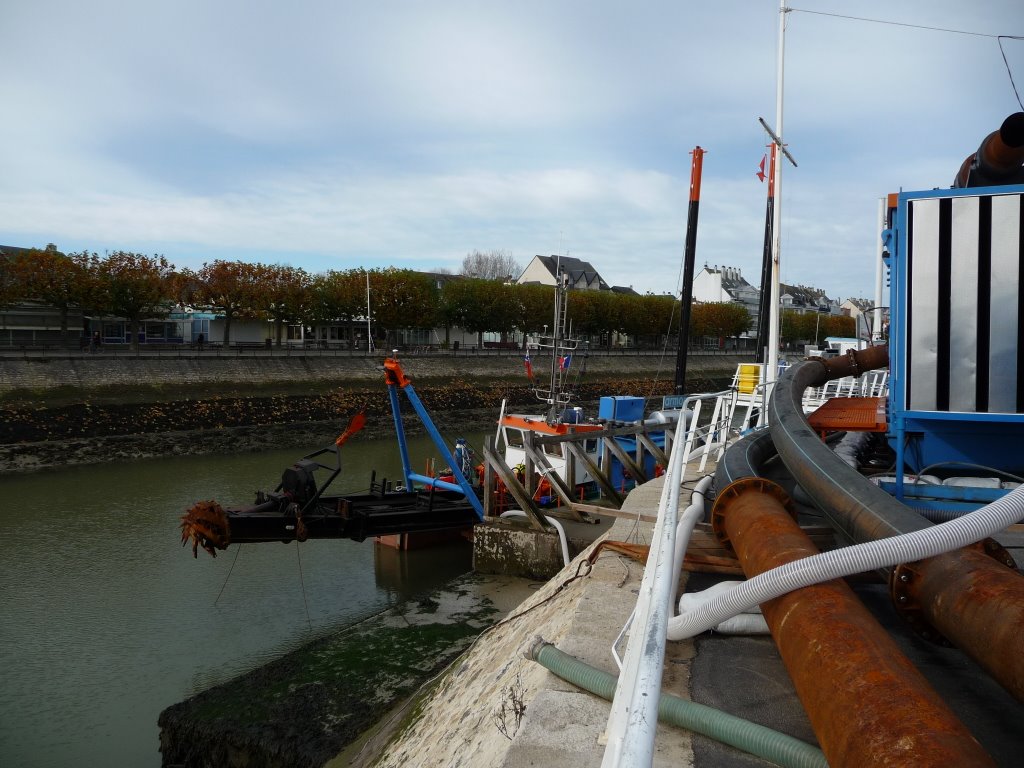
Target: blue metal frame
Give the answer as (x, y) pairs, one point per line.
(927, 496)
(463, 486)
(958, 433)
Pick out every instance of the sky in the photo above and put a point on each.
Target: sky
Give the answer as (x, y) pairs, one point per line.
(330, 134)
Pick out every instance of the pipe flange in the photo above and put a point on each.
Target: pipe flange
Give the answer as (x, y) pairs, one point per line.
(901, 583)
(997, 552)
(854, 364)
(733, 491)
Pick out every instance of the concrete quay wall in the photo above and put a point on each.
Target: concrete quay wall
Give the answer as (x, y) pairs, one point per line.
(43, 373)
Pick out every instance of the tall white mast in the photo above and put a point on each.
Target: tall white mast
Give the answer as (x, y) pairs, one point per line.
(774, 316)
(876, 326)
(369, 334)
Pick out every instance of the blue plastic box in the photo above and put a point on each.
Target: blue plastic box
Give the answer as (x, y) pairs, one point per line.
(621, 408)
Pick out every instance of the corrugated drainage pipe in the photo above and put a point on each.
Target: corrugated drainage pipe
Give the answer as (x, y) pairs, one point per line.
(815, 567)
(752, 738)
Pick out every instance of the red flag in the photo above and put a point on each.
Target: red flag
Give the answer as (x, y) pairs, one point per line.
(760, 173)
(529, 366)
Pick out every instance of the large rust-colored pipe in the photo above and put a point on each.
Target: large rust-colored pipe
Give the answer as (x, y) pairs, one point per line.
(868, 705)
(998, 159)
(861, 512)
(975, 602)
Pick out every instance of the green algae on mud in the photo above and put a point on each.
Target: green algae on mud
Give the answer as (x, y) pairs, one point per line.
(307, 706)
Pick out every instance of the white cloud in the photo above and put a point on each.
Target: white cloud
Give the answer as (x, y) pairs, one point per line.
(416, 132)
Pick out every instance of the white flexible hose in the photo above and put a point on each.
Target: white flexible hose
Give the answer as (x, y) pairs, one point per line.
(860, 558)
(750, 622)
(558, 526)
(684, 528)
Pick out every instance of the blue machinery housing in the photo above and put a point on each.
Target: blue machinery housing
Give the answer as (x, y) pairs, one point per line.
(956, 257)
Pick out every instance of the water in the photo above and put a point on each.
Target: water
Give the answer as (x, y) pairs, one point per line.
(106, 620)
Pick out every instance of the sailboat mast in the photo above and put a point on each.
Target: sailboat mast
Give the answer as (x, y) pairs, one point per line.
(774, 316)
(556, 340)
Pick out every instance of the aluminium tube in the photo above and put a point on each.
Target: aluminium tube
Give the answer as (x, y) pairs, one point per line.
(862, 512)
(868, 704)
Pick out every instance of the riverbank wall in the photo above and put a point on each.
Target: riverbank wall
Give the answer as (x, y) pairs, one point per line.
(163, 372)
(89, 409)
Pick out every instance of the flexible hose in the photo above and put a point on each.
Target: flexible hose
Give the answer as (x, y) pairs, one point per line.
(750, 622)
(558, 527)
(684, 528)
(752, 738)
(909, 547)
(744, 458)
(858, 510)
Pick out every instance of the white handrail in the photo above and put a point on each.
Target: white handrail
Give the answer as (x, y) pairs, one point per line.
(634, 713)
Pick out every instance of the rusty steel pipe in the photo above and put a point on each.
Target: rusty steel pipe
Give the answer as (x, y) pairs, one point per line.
(868, 705)
(860, 511)
(998, 159)
(857, 361)
(975, 602)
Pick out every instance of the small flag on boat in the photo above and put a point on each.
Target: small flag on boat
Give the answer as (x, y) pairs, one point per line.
(760, 172)
(563, 362)
(529, 366)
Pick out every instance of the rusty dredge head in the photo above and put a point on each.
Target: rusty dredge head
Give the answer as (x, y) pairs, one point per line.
(206, 523)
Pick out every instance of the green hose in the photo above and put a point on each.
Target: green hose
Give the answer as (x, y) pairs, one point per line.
(750, 737)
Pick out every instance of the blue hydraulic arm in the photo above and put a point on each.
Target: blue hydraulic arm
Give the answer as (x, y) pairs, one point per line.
(396, 379)
(403, 449)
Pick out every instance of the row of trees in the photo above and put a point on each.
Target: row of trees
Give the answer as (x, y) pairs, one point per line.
(814, 326)
(138, 287)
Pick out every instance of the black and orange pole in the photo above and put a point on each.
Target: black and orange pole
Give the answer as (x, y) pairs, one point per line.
(686, 296)
(766, 263)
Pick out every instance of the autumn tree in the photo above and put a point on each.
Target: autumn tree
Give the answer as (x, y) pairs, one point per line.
(449, 308)
(481, 306)
(135, 287)
(402, 298)
(651, 316)
(596, 313)
(228, 288)
(338, 296)
(531, 307)
(492, 265)
(719, 319)
(839, 325)
(61, 281)
(281, 295)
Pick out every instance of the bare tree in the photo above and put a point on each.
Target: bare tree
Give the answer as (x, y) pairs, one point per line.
(492, 265)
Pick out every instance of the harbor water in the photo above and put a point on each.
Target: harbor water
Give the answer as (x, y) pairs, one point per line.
(106, 620)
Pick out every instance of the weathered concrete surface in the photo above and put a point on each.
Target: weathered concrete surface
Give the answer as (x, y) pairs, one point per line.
(58, 411)
(528, 553)
(581, 613)
(514, 548)
(185, 368)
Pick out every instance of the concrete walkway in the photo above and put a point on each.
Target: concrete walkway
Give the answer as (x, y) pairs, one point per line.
(564, 726)
(458, 724)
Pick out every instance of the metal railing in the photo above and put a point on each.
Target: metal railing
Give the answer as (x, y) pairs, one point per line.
(634, 714)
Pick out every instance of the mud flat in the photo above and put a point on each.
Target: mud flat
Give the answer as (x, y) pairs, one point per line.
(303, 709)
